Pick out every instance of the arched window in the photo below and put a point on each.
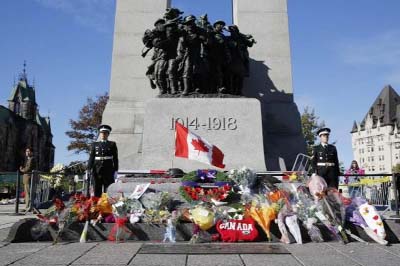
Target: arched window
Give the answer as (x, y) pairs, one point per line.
(17, 108)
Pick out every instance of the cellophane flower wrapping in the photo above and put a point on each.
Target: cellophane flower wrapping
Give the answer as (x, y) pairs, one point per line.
(119, 232)
(334, 211)
(303, 205)
(170, 230)
(246, 179)
(352, 213)
(263, 213)
(203, 217)
(317, 186)
(156, 205)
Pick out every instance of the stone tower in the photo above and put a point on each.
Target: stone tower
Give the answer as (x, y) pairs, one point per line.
(22, 100)
(270, 79)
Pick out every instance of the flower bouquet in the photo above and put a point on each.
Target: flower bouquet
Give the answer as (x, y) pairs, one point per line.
(362, 214)
(156, 207)
(332, 214)
(263, 213)
(119, 232)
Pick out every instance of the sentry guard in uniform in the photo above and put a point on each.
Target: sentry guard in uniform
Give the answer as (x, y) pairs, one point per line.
(325, 161)
(103, 161)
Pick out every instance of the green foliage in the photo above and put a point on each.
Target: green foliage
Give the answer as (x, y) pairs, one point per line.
(84, 130)
(76, 168)
(396, 169)
(310, 125)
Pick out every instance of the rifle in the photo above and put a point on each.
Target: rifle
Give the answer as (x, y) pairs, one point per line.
(144, 53)
(89, 182)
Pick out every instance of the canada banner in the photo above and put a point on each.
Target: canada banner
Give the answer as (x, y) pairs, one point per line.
(191, 146)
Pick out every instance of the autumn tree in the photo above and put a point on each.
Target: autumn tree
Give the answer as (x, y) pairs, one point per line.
(84, 130)
(310, 125)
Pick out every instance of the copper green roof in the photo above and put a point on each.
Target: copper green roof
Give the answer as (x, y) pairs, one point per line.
(27, 92)
(44, 122)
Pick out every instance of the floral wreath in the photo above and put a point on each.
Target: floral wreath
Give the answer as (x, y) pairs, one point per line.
(203, 185)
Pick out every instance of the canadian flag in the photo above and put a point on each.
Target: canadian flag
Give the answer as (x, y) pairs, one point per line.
(193, 147)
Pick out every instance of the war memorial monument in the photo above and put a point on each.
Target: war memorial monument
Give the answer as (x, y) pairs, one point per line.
(255, 123)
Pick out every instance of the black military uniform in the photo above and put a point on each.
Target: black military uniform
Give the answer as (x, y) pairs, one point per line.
(103, 162)
(325, 161)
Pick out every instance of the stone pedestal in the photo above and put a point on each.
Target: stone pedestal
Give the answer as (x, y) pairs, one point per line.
(129, 86)
(270, 78)
(232, 124)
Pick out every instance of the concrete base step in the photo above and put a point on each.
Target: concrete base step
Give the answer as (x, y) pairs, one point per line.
(26, 231)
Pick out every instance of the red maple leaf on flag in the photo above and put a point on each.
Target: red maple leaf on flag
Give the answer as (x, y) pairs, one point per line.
(199, 145)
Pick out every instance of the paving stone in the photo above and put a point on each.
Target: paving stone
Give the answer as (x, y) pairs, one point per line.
(214, 260)
(109, 253)
(368, 254)
(4, 233)
(14, 252)
(60, 254)
(213, 248)
(269, 259)
(159, 260)
(393, 249)
(319, 254)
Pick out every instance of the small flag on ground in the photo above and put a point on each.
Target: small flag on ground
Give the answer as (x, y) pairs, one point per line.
(193, 147)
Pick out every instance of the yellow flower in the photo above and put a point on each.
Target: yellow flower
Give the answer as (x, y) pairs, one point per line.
(293, 177)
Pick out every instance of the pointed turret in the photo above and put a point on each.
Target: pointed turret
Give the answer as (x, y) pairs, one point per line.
(22, 100)
(355, 127)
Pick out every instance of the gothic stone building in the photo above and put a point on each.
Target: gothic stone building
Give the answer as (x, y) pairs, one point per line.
(21, 126)
(376, 140)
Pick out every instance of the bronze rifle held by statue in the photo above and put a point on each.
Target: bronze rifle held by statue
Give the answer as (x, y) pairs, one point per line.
(145, 52)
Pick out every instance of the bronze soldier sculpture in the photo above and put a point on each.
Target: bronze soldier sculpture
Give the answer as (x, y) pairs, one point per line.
(103, 161)
(219, 56)
(195, 56)
(156, 66)
(189, 55)
(239, 67)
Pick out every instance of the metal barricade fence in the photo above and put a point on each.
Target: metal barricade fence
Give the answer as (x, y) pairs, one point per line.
(302, 163)
(379, 189)
(40, 188)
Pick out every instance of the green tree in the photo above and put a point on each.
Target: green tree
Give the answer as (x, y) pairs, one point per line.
(84, 130)
(310, 125)
(396, 169)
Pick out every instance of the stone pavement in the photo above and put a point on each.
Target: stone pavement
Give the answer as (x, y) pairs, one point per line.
(106, 253)
(8, 218)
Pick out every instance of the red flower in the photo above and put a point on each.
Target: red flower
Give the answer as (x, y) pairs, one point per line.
(227, 187)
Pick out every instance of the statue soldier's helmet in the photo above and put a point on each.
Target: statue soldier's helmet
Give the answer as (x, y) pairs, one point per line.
(233, 28)
(204, 17)
(171, 13)
(104, 128)
(219, 22)
(159, 21)
(189, 19)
